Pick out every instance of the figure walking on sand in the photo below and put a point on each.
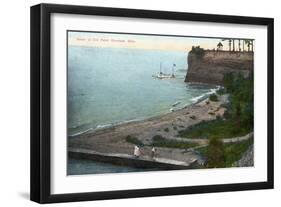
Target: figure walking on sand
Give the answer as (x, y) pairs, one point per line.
(153, 152)
(136, 151)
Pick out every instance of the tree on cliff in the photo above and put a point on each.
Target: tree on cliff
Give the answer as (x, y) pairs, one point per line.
(229, 43)
(198, 51)
(249, 44)
(219, 46)
(252, 45)
(239, 44)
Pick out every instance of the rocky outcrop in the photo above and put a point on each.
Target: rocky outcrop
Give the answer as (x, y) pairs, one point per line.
(210, 66)
(247, 160)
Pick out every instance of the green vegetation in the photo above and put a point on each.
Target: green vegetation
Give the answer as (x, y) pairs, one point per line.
(134, 140)
(226, 154)
(218, 128)
(241, 92)
(198, 51)
(215, 154)
(166, 129)
(159, 141)
(221, 91)
(234, 152)
(238, 120)
(213, 97)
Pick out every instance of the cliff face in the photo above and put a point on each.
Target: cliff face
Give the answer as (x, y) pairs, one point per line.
(211, 66)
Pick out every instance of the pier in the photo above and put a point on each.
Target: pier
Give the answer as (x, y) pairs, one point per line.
(130, 160)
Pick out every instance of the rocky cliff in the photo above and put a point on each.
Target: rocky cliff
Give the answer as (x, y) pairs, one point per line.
(209, 67)
(247, 158)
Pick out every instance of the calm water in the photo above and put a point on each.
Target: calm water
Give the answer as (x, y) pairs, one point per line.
(82, 166)
(108, 86)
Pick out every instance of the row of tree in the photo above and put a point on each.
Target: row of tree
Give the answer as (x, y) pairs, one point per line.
(232, 46)
(241, 110)
(241, 91)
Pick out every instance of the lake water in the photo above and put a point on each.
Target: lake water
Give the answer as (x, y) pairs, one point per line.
(83, 166)
(107, 86)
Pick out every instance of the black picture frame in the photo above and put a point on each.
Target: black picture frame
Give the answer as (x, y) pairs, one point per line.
(41, 98)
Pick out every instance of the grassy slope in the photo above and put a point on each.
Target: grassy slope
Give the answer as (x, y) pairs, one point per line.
(159, 141)
(232, 152)
(217, 128)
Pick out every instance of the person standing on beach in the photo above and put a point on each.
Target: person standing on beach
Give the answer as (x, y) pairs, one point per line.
(153, 152)
(136, 151)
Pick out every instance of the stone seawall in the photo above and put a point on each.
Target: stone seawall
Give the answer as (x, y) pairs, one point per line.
(211, 66)
(131, 161)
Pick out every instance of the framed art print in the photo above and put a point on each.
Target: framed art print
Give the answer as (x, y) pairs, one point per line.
(133, 103)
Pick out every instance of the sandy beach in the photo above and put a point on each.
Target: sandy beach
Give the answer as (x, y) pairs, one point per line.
(113, 140)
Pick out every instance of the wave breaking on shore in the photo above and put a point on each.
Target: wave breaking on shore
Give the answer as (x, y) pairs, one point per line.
(193, 100)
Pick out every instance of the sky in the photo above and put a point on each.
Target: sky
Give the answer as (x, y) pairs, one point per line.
(149, 42)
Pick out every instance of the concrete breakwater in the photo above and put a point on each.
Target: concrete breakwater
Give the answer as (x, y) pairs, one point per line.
(132, 161)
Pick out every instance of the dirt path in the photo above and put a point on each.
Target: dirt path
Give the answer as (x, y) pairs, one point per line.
(204, 141)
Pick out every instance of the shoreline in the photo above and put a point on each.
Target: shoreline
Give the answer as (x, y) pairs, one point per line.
(107, 127)
(197, 99)
(112, 140)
